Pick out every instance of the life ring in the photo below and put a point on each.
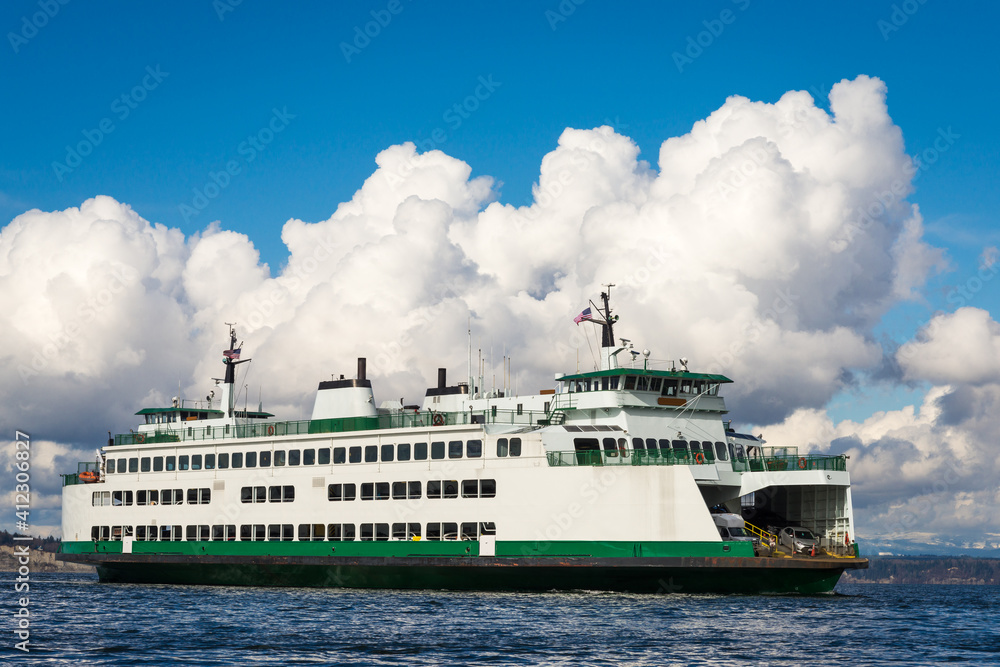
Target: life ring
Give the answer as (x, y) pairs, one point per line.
(699, 458)
(88, 477)
(140, 438)
(803, 463)
(437, 419)
(270, 430)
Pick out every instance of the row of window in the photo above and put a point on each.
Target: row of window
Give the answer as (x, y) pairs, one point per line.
(404, 451)
(664, 387)
(267, 494)
(152, 497)
(655, 448)
(307, 532)
(436, 488)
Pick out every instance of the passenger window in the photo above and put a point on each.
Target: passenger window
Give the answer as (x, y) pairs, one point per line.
(340, 455)
(470, 488)
(237, 459)
(450, 487)
(209, 461)
(515, 446)
(399, 490)
(196, 462)
(474, 449)
(382, 491)
(368, 491)
(382, 532)
(455, 449)
(223, 461)
(294, 457)
(449, 531)
(157, 464)
(354, 455)
(371, 453)
(720, 451)
(501, 447)
(610, 447)
(470, 531)
(265, 459)
(145, 464)
(433, 530)
(437, 450)
(434, 489)
(324, 457)
(279, 458)
(110, 466)
(184, 462)
(403, 451)
(309, 457)
(420, 451)
(413, 490)
(387, 452)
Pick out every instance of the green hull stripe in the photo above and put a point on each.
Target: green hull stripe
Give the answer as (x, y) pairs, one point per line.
(424, 548)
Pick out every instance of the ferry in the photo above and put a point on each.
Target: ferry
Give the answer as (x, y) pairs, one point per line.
(609, 480)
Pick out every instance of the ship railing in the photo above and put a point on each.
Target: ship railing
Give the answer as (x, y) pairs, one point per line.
(74, 478)
(667, 457)
(404, 419)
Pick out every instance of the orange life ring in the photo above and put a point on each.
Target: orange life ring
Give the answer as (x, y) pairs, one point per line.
(803, 463)
(699, 458)
(140, 438)
(88, 477)
(270, 430)
(438, 419)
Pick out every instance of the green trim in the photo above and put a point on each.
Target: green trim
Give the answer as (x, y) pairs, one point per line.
(722, 379)
(163, 411)
(424, 548)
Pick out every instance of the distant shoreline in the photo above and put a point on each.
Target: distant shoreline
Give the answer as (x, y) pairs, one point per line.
(39, 561)
(943, 570)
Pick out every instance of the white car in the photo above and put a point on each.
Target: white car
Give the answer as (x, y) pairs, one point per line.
(800, 540)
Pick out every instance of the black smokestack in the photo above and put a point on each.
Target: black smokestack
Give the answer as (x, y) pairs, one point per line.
(361, 368)
(442, 378)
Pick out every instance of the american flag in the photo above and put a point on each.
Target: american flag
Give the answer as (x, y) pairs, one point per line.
(232, 354)
(585, 315)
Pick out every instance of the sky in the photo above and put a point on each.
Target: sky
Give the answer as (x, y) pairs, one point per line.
(800, 197)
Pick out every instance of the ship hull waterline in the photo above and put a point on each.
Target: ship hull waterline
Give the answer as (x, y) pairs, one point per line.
(633, 575)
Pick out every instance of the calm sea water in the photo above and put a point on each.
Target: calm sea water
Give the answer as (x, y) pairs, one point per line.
(76, 620)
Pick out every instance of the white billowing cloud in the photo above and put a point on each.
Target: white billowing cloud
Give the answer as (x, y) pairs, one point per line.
(959, 347)
(765, 244)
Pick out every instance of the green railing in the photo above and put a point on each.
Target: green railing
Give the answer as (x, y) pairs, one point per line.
(670, 457)
(74, 478)
(666, 457)
(342, 425)
(781, 463)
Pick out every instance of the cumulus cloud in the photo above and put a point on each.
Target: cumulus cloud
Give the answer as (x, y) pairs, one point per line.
(959, 347)
(766, 244)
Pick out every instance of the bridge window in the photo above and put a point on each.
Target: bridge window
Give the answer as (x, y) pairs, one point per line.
(669, 388)
(654, 384)
(629, 382)
(642, 384)
(720, 451)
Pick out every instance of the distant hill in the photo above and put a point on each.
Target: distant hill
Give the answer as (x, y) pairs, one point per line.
(927, 570)
(50, 544)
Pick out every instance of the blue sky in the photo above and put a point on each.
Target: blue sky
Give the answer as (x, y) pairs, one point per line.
(603, 63)
(252, 114)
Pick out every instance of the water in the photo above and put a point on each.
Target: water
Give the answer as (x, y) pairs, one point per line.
(75, 620)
